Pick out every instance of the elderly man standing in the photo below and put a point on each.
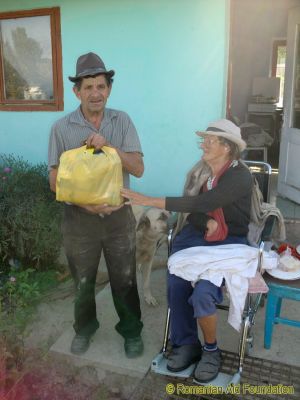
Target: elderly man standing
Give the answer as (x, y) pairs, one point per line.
(87, 230)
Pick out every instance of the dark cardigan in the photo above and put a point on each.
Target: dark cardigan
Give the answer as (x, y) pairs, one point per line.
(232, 194)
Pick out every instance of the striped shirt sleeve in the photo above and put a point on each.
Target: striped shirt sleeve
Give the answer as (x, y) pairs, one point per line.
(55, 148)
(131, 142)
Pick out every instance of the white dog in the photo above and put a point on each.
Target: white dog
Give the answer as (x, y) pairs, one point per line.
(151, 233)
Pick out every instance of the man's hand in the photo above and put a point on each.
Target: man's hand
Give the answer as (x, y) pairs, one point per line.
(132, 162)
(211, 227)
(95, 140)
(100, 208)
(52, 178)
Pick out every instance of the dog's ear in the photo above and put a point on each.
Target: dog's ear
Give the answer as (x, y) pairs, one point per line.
(144, 222)
(163, 217)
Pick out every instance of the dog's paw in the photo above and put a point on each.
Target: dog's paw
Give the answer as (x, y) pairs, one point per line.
(150, 300)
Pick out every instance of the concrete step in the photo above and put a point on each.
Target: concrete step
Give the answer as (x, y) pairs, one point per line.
(106, 350)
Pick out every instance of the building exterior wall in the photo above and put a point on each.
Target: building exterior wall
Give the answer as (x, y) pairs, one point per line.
(170, 58)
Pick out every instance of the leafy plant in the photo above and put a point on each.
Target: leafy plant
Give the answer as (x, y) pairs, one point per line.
(17, 290)
(29, 215)
(29, 236)
(20, 292)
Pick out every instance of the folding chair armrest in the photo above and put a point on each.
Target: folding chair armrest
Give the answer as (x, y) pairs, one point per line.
(260, 257)
(172, 226)
(170, 237)
(268, 229)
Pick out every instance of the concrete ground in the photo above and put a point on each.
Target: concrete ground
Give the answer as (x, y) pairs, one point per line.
(106, 350)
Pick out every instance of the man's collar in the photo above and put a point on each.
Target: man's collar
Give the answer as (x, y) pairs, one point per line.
(77, 117)
(108, 115)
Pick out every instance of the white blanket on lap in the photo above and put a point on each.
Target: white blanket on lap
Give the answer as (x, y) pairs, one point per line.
(233, 262)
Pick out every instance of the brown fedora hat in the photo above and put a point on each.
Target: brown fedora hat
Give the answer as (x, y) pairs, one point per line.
(90, 64)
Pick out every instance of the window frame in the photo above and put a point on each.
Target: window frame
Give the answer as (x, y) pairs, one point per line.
(57, 103)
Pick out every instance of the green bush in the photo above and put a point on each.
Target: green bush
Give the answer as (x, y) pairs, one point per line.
(20, 290)
(29, 215)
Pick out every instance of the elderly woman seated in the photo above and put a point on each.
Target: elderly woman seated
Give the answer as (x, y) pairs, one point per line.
(215, 209)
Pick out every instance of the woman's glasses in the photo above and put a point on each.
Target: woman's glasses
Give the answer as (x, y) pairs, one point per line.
(207, 141)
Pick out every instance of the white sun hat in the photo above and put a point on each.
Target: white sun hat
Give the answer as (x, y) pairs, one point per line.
(226, 129)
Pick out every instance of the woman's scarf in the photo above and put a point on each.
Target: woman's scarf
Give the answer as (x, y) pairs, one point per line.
(196, 178)
(221, 232)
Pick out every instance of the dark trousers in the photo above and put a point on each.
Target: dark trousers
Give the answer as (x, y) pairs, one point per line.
(85, 236)
(188, 303)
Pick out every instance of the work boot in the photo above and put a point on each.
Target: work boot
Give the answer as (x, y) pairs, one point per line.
(208, 367)
(134, 347)
(183, 356)
(80, 344)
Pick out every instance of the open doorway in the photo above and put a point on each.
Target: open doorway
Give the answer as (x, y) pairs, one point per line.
(278, 65)
(256, 73)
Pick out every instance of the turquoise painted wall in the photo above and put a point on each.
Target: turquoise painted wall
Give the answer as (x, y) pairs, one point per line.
(170, 58)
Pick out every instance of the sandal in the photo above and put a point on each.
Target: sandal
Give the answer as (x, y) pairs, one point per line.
(208, 367)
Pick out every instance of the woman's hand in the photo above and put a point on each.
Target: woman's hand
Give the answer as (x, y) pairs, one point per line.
(211, 227)
(142, 200)
(135, 197)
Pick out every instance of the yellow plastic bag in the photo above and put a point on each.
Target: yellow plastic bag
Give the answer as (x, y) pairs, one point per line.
(87, 178)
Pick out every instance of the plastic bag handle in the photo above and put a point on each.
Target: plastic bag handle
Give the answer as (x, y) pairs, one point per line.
(99, 151)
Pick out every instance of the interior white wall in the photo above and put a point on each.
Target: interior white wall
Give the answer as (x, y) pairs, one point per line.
(255, 23)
